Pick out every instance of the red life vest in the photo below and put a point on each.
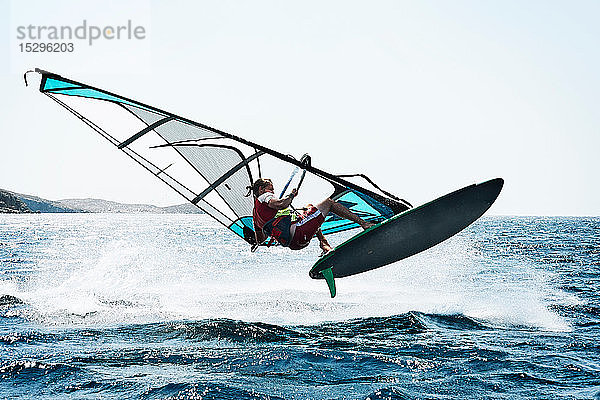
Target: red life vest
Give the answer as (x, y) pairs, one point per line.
(278, 228)
(262, 213)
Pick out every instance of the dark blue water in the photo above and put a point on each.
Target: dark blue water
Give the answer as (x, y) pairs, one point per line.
(139, 307)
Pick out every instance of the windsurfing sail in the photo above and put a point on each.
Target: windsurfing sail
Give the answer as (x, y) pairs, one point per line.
(211, 168)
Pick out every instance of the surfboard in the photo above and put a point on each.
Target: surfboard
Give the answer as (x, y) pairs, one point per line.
(408, 233)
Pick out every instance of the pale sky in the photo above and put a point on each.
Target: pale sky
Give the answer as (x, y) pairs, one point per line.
(422, 96)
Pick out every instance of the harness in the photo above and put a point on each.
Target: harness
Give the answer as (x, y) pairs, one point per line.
(279, 228)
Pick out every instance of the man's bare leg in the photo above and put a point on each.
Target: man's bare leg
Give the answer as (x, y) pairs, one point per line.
(328, 205)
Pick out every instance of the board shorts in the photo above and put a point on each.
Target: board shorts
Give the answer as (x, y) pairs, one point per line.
(309, 223)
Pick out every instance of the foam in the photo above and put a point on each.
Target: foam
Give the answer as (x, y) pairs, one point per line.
(148, 268)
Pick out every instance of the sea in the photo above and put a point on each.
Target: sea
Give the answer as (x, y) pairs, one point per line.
(172, 306)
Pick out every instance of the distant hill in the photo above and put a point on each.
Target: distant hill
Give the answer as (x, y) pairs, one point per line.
(11, 202)
(106, 206)
(37, 204)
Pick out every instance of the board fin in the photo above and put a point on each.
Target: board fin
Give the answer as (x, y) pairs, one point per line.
(328, 275)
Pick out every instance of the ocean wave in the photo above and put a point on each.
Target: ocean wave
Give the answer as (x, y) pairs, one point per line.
(525, 377)
(390, 393)
(29, 337)
(260, 332)
(235, 331)
(174, 391)
(410, 322)
(457, 322)
(24, 370)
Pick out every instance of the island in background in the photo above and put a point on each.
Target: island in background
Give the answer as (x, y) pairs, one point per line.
(17, 203)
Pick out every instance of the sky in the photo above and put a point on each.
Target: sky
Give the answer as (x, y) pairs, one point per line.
(424, 97)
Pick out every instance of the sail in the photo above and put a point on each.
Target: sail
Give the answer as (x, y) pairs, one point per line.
(211, 168)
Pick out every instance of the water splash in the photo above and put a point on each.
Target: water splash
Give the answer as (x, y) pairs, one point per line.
(112, 269)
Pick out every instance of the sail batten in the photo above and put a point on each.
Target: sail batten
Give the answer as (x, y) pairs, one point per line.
(147, 129)
(226, 175)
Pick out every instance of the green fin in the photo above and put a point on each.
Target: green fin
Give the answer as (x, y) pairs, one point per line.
(328, 275)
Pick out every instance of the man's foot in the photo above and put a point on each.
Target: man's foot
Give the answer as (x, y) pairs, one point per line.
(366, 225)
(325, 252)
(326, 248)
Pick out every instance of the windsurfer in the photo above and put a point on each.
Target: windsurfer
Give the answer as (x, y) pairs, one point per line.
(272, 216)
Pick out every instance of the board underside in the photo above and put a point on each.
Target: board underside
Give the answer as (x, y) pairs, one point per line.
(410, 232)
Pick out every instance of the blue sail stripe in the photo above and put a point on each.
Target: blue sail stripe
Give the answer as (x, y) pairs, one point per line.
(57, 86)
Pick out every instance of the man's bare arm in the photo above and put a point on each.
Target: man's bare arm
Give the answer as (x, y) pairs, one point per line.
(282, 204)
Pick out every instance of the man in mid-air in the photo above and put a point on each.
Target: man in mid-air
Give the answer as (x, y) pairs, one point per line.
(273, 217)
